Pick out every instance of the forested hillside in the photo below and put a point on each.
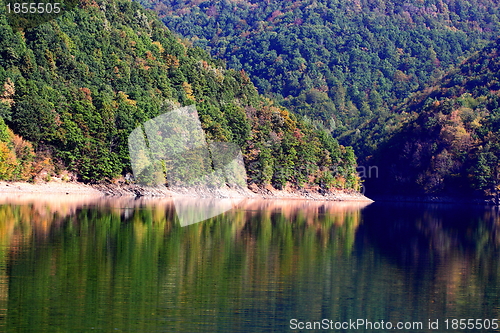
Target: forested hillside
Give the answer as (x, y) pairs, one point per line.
(72, 90)
(342, 62)
(448, 140)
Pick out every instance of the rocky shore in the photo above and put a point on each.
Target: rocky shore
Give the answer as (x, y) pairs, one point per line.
(121, 189)
(250, 192)
(48, 188)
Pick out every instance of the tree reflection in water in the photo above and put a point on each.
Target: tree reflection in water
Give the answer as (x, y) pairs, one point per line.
(449, 254)
(128, 264)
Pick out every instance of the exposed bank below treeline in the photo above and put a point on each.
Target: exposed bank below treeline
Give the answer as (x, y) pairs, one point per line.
(268, 192)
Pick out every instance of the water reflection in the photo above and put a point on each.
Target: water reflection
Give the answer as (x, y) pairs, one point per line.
(128, 265)
(448, 254)
(421, 235)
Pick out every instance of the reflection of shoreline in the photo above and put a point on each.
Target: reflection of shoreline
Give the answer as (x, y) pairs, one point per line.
(42, 214)
(65, 204)
(322, 206)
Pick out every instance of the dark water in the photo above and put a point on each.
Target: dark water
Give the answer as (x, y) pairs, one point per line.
(129, 266)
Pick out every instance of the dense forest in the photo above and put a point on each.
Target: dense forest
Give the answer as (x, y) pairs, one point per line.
(339, 62)
(448, 137)
(73, 89)
(391, 79)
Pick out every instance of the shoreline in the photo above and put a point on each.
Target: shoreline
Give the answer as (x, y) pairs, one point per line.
(54, 187)
(130, 190)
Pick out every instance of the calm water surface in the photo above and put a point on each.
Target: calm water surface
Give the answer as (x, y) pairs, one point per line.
(78, 265)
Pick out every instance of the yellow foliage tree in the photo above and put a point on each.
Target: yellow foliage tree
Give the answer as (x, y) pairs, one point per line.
(8, 162)
(188, 90)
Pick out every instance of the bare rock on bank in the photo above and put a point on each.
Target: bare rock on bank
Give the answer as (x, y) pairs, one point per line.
(253, 191)
(132, 190)
(49, 188)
